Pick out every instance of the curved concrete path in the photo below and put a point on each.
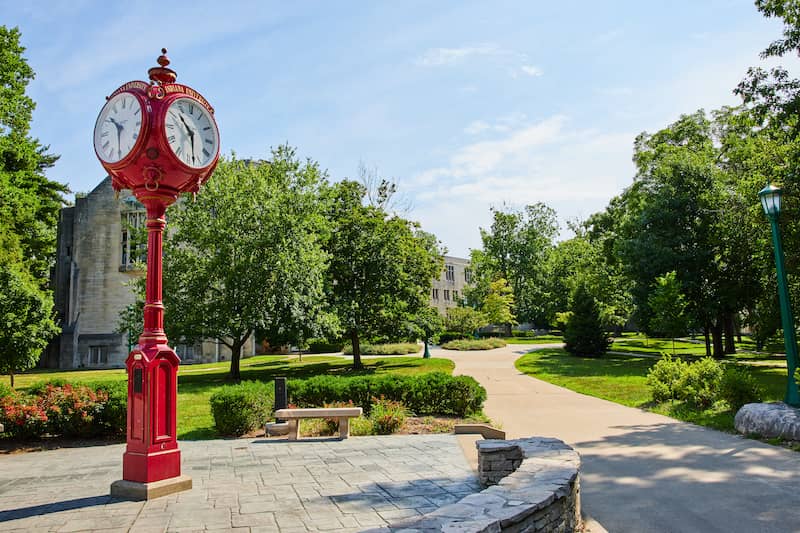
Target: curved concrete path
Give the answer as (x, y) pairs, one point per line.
(644, 472)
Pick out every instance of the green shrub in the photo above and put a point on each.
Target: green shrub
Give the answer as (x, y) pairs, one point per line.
(387, 416)
(424, 394)
(398, 348)
(241, 408)
(361, 426)
(475, 344)
(700, 382)
(448, 336)
(6, 391)
(324, 346)
(113, 418)
(738, 387)
(664, 378)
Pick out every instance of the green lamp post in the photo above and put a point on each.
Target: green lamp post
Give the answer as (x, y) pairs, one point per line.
(771, 202)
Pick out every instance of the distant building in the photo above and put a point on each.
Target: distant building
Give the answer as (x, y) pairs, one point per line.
(95, 262)
(448, 290)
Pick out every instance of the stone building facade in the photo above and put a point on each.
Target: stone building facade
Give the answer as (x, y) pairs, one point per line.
(95, 263)
(448, 290)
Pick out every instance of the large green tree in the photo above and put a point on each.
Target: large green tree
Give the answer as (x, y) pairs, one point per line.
(247, 255)
(668, 307)
(381, 267)
(516, 248)
(29, 207)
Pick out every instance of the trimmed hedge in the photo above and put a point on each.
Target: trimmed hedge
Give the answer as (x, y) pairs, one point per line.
(448, 336)
(323, 346)
(475, 344)
(423, 394)
(398, 348)
(241, 408)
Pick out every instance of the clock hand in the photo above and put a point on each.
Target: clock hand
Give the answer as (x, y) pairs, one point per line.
(119, 127)
(190, 132)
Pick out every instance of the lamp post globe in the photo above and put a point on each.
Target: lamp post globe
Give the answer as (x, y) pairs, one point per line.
(770, 197)
(159, 139)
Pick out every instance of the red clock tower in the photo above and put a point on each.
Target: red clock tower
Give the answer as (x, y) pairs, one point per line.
(158, 139)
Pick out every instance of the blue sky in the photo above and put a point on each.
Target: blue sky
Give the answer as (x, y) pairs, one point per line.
(466, 104)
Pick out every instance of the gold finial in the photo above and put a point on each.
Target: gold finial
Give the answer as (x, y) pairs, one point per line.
(162, 74)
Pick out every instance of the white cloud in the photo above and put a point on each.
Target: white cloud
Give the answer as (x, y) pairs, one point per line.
(531, 70)
(516, 63)
(447, 56)
(574, 171)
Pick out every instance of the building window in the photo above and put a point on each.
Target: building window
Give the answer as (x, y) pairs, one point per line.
(98, 355)
(186, 352)
(455, 296)
(449, 272)
(447, 295)
(435, 294)
(467, 275)
(134, 238)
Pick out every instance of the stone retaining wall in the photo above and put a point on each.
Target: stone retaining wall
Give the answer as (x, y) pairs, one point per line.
(533, 485)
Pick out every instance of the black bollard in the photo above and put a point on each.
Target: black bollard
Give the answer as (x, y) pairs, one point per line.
(281, 399)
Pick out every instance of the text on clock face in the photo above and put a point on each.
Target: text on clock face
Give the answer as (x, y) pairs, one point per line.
(118, 127)
(191, 132)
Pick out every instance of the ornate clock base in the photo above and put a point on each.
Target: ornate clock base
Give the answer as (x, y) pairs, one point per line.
(134, 490)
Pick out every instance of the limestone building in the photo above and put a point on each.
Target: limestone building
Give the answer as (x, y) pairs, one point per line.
(448, 290)
(96, 260)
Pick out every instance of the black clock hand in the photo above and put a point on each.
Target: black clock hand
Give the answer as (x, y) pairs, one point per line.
(190, 133)
(119, 127)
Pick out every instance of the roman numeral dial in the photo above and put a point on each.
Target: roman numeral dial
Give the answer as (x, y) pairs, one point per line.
(118, 128)
(191, 132)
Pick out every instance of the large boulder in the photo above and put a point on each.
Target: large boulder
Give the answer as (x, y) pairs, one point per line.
(769, 420)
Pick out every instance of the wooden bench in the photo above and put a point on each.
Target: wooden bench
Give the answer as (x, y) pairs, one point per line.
(341, 414)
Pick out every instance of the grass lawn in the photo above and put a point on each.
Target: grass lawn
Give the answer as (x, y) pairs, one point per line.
(657, 346)
(622, 379)
(196, 383)
(539, 339)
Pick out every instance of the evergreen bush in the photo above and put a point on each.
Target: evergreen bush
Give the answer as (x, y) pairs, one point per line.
(584, 334)
(700, 382)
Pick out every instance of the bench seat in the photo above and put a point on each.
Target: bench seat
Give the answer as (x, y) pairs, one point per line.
(341, 414)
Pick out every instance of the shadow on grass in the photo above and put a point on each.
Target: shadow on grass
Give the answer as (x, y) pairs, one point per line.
(556, 361)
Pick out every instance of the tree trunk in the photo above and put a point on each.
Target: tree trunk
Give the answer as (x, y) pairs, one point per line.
(716, 336)
(708, 340)
(356, 350)
(236, 355)
(730, 346)
(11, 375)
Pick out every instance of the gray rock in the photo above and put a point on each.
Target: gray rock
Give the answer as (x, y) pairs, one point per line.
(769, 420)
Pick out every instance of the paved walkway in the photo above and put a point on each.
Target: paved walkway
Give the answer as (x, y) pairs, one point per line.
(241, 485)
(644, 472)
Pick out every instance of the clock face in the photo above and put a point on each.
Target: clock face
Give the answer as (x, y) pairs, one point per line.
(118, 127)
(191, 132)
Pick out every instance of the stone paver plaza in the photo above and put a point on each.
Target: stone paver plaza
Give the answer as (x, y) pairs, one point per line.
(242, 485)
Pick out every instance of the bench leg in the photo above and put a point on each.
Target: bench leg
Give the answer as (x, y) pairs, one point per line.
(294, 426)
(344, 427)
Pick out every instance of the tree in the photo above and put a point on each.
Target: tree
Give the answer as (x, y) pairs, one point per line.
(498, 308)
(381, 267)
(26, 314)
(668, 307)
(464, 320)
(29, 202)
(29, 207)
(584, 334)
(247, 255)
(427, 323)
(515, 248)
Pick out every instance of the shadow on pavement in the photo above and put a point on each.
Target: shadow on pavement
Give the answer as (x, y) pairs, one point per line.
(47, 508)
(690, 479)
